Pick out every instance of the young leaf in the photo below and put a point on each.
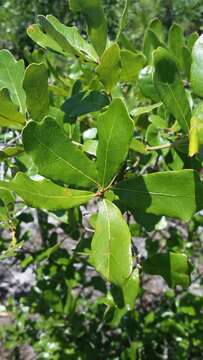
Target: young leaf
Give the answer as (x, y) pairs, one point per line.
(109, 69)
(111, 245)
(196, 75)
(55, 156)
(96, 21)
(115, 131)
(9, 115)
(44, 194)
(68, 38)
(131, 64)
(170, 193)
(170, 87)
(173, 267)
(36, 87)
(11, 78)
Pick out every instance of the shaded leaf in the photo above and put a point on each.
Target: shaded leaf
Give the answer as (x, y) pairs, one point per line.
(173, 267)
(171, 193)
(146, 83)
(83, 103)
(170, 87)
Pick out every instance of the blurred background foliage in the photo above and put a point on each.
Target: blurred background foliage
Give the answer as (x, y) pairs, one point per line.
(16, 15)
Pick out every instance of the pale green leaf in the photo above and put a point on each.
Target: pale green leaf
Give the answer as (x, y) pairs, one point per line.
(111, 245)
(44, 194)
(144, 109)
(196, 75)
(131, 64)
(115, 131)
(9, 115)
(11, 78)
(109, 68)
(55, 156)
(37, 35)
(36, 87)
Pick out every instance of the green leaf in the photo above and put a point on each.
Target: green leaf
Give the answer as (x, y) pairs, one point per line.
(6, 202)
(173, 267)
(131, 289)
(144, 109)
(111, 245)
(68, 38)
(96, 21)
(123, 19)
(196, 75)
(191, 40)
(55, 156)
(151, 42)
(146, 83)
(9, 115)
(115, 131)
(10, 151)
(170, 87)
(11, 78)
(83, 103)
(176, 194)
(44, 194)
(131, 64)
(157, 27)
(36, 87)
(176, 41)
(43, 40)
(109, 69)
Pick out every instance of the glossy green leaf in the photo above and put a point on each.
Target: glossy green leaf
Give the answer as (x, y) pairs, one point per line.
(55, 156)
(36, 87)
(131, 64)
(115, 131)
(170, 87)
(146, 83)
(83, 103)
(109, 68)
(196, 75)
(44, 194)
(9, 115)
(176, 41)
(173, 267)
(111, 245)
(68, 38)
(11, 78)
(176, 194)
(96, 21)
